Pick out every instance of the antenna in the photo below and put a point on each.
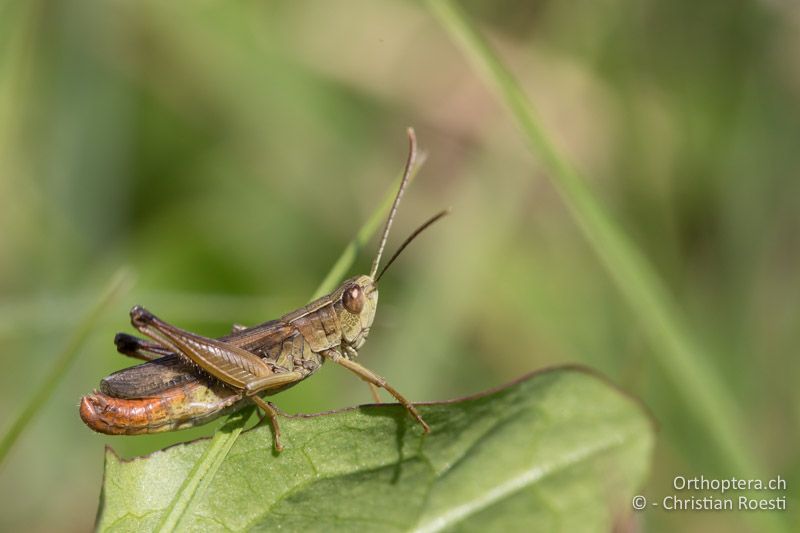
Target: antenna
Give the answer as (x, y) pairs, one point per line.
(412, 158)
(411, 237)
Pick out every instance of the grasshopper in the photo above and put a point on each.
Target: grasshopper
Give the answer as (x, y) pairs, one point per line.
(188, 379)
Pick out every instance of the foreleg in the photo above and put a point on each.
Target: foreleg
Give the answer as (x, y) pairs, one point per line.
(370, 377)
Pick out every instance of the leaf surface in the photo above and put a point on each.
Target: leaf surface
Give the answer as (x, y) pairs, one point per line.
(557, 450)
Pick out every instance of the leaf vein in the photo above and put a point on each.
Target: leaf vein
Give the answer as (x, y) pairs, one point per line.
(515, 484)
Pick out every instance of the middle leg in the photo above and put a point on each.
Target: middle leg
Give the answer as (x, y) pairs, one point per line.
(270, 411)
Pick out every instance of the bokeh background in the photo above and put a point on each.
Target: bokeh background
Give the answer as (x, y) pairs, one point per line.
(227, 151)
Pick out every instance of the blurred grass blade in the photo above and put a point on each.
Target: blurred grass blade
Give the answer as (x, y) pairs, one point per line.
(682, 360)
(208, 463)
(120, 282)
(203, 471)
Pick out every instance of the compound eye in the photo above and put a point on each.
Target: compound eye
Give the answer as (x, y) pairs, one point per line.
(353, 299)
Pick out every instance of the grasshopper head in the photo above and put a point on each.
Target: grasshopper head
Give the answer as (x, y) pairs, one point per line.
(357, 302)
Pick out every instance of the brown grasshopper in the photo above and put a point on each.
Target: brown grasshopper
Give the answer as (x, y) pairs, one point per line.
(189, 379)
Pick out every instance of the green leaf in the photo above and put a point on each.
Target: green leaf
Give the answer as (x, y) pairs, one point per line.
(559, 449)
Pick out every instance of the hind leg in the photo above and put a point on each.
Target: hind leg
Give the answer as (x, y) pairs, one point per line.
(139, 348)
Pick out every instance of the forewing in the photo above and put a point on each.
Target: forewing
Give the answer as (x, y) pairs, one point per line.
(149, 379)
(259, 339)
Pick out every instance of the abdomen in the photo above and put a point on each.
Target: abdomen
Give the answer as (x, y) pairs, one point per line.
(179, 407)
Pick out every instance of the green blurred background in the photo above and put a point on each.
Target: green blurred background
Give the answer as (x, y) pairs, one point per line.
(228, 151)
